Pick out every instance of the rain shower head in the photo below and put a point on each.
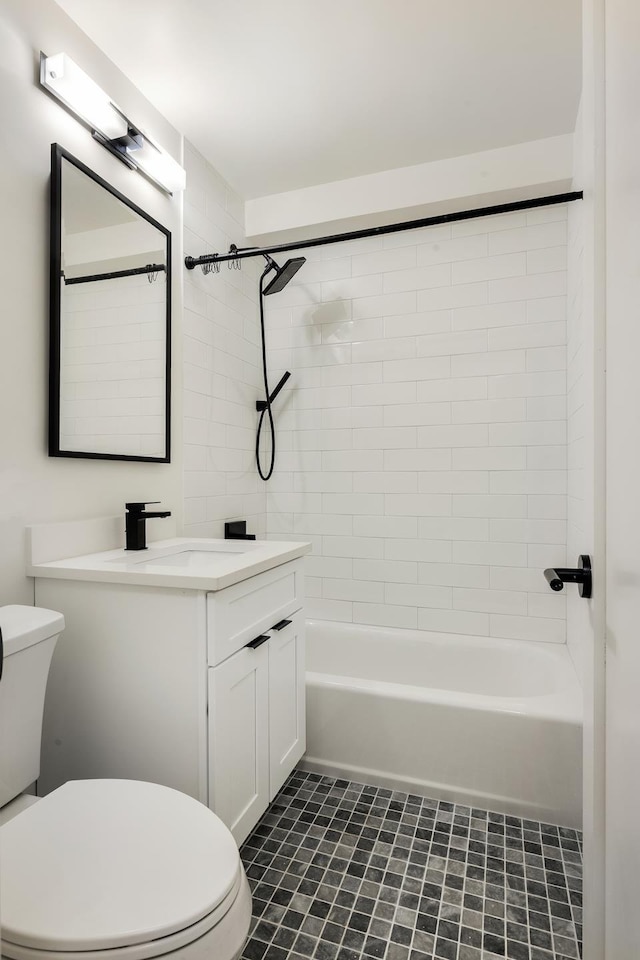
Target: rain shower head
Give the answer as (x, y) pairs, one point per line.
(283, 274)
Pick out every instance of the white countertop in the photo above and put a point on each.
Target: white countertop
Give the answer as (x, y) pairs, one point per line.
(187, 563)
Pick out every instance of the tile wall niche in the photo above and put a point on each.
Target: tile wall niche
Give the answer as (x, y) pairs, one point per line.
(222, 365)
(422, 442)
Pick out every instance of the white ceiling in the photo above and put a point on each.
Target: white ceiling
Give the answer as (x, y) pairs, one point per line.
(282, 94)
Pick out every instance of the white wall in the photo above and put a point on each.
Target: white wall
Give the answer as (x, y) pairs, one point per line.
(222, 371)
(422, 437)
(536, 168)
(34, 487)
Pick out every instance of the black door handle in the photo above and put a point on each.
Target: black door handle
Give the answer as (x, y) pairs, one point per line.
(281, 624)
(254, 644)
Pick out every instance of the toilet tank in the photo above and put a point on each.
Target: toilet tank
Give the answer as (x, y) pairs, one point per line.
(29, 636)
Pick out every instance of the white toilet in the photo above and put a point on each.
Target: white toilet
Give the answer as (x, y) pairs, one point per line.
(102, 869)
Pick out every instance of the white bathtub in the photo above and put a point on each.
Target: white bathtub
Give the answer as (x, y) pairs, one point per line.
(480, 721)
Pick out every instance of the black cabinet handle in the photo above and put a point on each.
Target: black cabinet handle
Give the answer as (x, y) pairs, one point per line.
(254, 644)
(281, 624)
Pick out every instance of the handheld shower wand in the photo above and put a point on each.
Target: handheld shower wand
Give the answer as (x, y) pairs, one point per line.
(275, 285)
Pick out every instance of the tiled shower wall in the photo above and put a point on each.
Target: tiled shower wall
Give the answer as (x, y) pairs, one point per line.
(221, 363)
(422, 438)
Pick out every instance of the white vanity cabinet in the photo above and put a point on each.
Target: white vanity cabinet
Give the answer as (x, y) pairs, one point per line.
(256, 723)
(199, 690)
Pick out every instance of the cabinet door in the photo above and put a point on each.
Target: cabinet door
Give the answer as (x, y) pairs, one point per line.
(239, 739)
(287, 730)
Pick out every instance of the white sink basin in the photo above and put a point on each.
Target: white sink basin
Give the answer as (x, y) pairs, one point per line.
(200, 564)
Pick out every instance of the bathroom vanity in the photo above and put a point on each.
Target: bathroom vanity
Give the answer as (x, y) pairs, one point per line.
(183, 665)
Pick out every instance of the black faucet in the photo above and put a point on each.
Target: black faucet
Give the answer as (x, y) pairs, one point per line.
(135, 524)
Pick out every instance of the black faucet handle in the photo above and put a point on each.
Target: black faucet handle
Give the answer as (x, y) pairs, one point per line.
(137, 507)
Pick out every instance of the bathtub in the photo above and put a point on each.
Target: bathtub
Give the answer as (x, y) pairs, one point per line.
(475, 720)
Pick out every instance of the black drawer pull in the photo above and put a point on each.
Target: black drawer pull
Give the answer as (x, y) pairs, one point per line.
(281, 624)
(254, 644)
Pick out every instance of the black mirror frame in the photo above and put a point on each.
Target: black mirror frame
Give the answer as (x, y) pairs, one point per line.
(58, 153)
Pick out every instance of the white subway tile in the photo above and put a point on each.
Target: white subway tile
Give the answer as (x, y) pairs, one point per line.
(328, 567)
(366, 503)
(547, 408)
(418, 278)
(455, 435)
(388, 527)
(426, 551)
(528, 335)
(371, 351)
(454, 621)
(479, 505)
(386, 305)
(528, 628)
(527, 384)
(529, 238)
(509, 554)
(417, 504)
(360, 590)
(454, 575)
(418, 595)
(355, 373)
(323, 482)
(547, 259)
(384, 438)
(540, 556)
(529, 481)
(488, 411)
(386, 482)
(546, 214)
(416, 414)
(528, 531)
(547, 358)
(453, 528)
(447, 344)
(549, 605)
(423, 368)
(531, 287)
(507, 602)
(547, 507)
(318, 609)
(489, 315)
(438, 250)
(417, 324)
(382, 615)
(459, 481)
(462, 388)
(350, 331)
(488, 225)
(383, 261)
(519, 578)
(361, 547)
(319, 524)
(529, 434)
(489, 268)
(547, 310)
(397, 571)
(349, 288)
(448, 298)
(352, 460)
(416, 459)
(384, 393)
(488, 364)
(546, 458)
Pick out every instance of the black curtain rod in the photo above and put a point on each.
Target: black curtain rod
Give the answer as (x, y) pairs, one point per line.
(192, 262)
(133, 272)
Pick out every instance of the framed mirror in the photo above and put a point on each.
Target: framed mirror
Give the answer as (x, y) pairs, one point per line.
(110, 321)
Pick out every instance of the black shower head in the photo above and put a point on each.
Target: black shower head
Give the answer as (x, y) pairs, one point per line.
(283, 274)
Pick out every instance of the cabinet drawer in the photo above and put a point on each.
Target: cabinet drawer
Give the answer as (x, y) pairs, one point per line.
(241, 612)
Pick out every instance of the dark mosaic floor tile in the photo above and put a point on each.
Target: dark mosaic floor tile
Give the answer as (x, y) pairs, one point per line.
(347, 871)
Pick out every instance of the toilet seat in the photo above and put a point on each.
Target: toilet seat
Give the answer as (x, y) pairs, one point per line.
(117, 867)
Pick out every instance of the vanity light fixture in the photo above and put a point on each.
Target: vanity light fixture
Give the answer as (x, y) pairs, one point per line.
(89, 103)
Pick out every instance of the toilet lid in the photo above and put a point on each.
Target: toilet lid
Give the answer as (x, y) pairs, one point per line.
(110, 863)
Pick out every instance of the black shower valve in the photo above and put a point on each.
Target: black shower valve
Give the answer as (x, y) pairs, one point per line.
(556, 577)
